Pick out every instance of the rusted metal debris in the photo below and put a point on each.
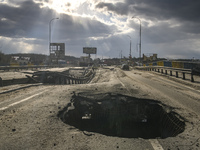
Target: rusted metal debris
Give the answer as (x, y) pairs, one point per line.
(53, 77)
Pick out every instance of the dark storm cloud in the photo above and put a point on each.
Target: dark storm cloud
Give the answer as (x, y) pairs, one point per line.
(179, 9)
(78, 27)
(173, 20)
(164, 23)
(160, 9)
(19, 21)
(28, 20)
(119, 8)
(31, 21)
(184, 11)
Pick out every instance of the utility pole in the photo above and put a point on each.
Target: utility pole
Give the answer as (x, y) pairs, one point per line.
(130, 47)
(130, 57)
(140, 45)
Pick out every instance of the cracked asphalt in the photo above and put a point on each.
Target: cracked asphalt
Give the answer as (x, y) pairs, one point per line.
(29, 116)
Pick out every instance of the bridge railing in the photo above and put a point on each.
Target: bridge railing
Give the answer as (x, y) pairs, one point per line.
(51, 77)
(25, 67)
(70, 79)
(170, 71)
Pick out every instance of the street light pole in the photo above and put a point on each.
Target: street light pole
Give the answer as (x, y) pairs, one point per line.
(140, 45)
(50, 34)
(130, 47)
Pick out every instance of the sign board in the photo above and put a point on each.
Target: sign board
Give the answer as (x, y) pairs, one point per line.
(90, 50)
(57, 50)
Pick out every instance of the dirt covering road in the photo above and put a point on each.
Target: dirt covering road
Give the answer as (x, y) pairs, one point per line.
(116, 110)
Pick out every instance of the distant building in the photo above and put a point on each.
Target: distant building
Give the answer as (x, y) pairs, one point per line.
(150, 57)
(20, 60)
(25, 59)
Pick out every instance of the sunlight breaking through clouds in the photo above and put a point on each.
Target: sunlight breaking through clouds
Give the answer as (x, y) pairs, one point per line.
(66, 5)
(101, 23)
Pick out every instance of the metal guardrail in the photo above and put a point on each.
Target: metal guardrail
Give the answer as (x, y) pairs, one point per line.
(70, 79)
(26, 67)
(52, 78)
(170, 70)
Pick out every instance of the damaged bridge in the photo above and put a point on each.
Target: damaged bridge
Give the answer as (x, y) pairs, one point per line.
(62, 77)
(69, 76)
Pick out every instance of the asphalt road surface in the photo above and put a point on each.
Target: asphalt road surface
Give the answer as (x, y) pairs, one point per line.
(29, 117)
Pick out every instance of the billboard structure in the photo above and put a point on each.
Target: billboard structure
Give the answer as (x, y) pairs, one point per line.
(89, 50)
(85, 61)
(57, 52)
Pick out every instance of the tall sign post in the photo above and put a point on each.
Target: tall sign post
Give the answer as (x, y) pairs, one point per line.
(89, 51)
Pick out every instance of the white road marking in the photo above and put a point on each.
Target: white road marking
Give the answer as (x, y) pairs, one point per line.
(23, 100)
(155, 144)
(123, 84)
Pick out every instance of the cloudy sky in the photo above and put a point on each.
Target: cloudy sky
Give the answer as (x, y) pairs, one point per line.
(169, 28)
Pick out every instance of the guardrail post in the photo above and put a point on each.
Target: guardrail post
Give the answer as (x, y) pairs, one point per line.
(1, 81)
(183, 75)
(170, 72)
(66, 81)
(63, 80)
(192, 78)
(177, 74)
